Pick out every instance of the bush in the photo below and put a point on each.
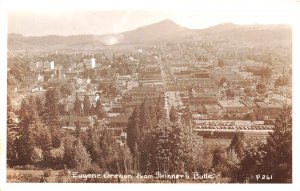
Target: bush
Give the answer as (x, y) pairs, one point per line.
(26, 167)
(47, 172)
(36, 155)
(56, 155)
(93, 169)
(15, 178)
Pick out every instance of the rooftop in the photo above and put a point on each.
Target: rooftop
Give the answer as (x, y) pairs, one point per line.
(81, 119)
(230, 103)
(265, 105)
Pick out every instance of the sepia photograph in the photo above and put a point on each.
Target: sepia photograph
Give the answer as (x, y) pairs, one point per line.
(150, 96)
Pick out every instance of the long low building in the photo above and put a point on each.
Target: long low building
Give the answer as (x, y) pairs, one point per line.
(231, 125)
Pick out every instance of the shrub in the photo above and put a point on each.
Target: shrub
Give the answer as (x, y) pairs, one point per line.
(15, 178)
(56, 155)
(36, 155)
(47, 172)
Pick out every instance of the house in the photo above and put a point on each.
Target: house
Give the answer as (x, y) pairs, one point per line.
(118, 124)
(266, 111)
(73, 121)
(132, 84)
(213, 110)
(251, 65)
(233, 106)
(117, 108)
(71, 74)
(202, 95)
(139, 94)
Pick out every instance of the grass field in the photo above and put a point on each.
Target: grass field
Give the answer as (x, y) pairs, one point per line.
(14, 175)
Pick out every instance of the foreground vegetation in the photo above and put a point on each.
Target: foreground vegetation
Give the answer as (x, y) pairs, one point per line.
(156, 142)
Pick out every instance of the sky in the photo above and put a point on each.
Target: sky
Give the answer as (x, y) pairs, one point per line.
(59, 18)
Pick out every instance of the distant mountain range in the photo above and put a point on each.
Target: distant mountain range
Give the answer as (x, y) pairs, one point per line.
(165, 30)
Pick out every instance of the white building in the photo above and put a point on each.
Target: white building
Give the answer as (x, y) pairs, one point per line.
(41, 66)
(90, 63)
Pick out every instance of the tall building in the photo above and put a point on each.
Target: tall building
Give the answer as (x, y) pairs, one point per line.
(90, 63)
(41, 66)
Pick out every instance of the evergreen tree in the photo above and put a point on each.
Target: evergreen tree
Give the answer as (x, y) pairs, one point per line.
(237, 143)
(40, 105)
(173, 115)
(9, 106)
(34, 116)
(133, 128)
(252, 162)
(172, 147)
(99, 110)
(160, 108)
(92, 144)
(278, 158)
(81, 158)
(55, 137)
(86, 105)
(24, 142)
(12, 131)
(77, 129)
(76, 155)
(186, 117)
(77, 106)
(44, 140)
(146, 122)
(51, 107)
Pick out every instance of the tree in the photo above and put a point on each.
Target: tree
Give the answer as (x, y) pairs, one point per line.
(237, 144)
(43, 139)
(12, 130)
(250, 116)
(251, 164)
(98, 110)
(39, 105)
(247, 91)
(77, 106)
(173, 147)
(34, 116)
(147, 116)
(261, 88)
(36, 155)
(281, 81)
(220, 62)
(133, 129)
(56, 156)
(222, 81)
(66, 90)
(201, 110)
(51, 107)
(267, 73)
(233, 162)
(230, 93)
(77, 129)
(278, 158)
(77, 156)
(56, 137)
(126, 160)
(186, 117)
(159, 108)
(173, 115)
(86, 105)
(271, 158)
(92, 143)
(24, 142)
